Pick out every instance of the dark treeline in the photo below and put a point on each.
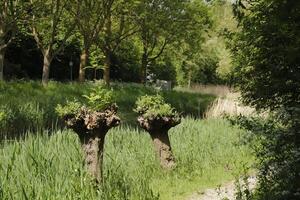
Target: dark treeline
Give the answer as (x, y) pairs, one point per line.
(24, 61)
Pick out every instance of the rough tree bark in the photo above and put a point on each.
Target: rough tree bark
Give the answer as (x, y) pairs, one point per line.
(92, 146)
(91, 127)
(158, 129)
(163, 149)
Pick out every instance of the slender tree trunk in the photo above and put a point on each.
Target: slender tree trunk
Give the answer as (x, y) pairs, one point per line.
(144, 68)
(107, 64)
(46, 67)
(93, 147)
(107, 49)
(2, 54)
(83, 62)
(163, 149)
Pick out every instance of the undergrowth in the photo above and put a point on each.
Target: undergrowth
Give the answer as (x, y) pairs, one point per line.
(28, 106)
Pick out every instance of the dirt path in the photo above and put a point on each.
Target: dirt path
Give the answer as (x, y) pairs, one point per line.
(226, 191)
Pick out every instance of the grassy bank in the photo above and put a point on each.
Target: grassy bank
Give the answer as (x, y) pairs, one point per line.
(51, 167)
(29, 105)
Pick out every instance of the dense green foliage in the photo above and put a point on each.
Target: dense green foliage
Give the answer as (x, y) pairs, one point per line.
(71, 108)
(178, 41)
(51, 167)
(266, 54)
(154, 107)
(99, 99)
(277, 152)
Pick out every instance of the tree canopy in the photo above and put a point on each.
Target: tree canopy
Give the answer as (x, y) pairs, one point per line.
(123, 40)
(266, 57)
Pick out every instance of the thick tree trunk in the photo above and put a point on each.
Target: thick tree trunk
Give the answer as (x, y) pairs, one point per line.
(107, 64)
(83, 63)
(2, 54)
(163, 149)
(158, 129)
(91, 127)
(46, 67)
(93, 147)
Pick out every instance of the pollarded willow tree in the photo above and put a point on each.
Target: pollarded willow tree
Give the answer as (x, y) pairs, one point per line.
(157, 117)
(91, 123)
(266, 57)
(10, 14)
(51, 28)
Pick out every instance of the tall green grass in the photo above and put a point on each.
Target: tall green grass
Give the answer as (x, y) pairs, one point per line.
(30, 106)
(52, 167)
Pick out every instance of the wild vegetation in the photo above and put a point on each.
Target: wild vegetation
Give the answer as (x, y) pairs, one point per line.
(51, 166)
(265, 53)
(213, 57)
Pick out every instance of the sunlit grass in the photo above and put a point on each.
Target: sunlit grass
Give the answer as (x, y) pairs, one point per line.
(51, 167)
(30, 106)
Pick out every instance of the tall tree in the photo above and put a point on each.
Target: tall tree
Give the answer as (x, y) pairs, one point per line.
(118, 26)
(50, 28)
(10, 13)
(164, 22)
(89, 19)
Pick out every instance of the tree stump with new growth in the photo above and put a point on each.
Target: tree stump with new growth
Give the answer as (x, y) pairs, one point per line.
(158, 129)
(91, 127)
(157, 117)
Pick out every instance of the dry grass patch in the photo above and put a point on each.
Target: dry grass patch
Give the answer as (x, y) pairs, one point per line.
(229, 105)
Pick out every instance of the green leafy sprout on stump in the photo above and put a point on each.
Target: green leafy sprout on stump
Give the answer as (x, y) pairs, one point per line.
(154, 107)
(98, 100)
(157, 117)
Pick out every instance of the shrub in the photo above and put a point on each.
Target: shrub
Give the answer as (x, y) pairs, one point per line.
(71, 108)
(277, 151)
(99, 99)
(266, 58)
(13, 118)
(5, 115)
(154, 107)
